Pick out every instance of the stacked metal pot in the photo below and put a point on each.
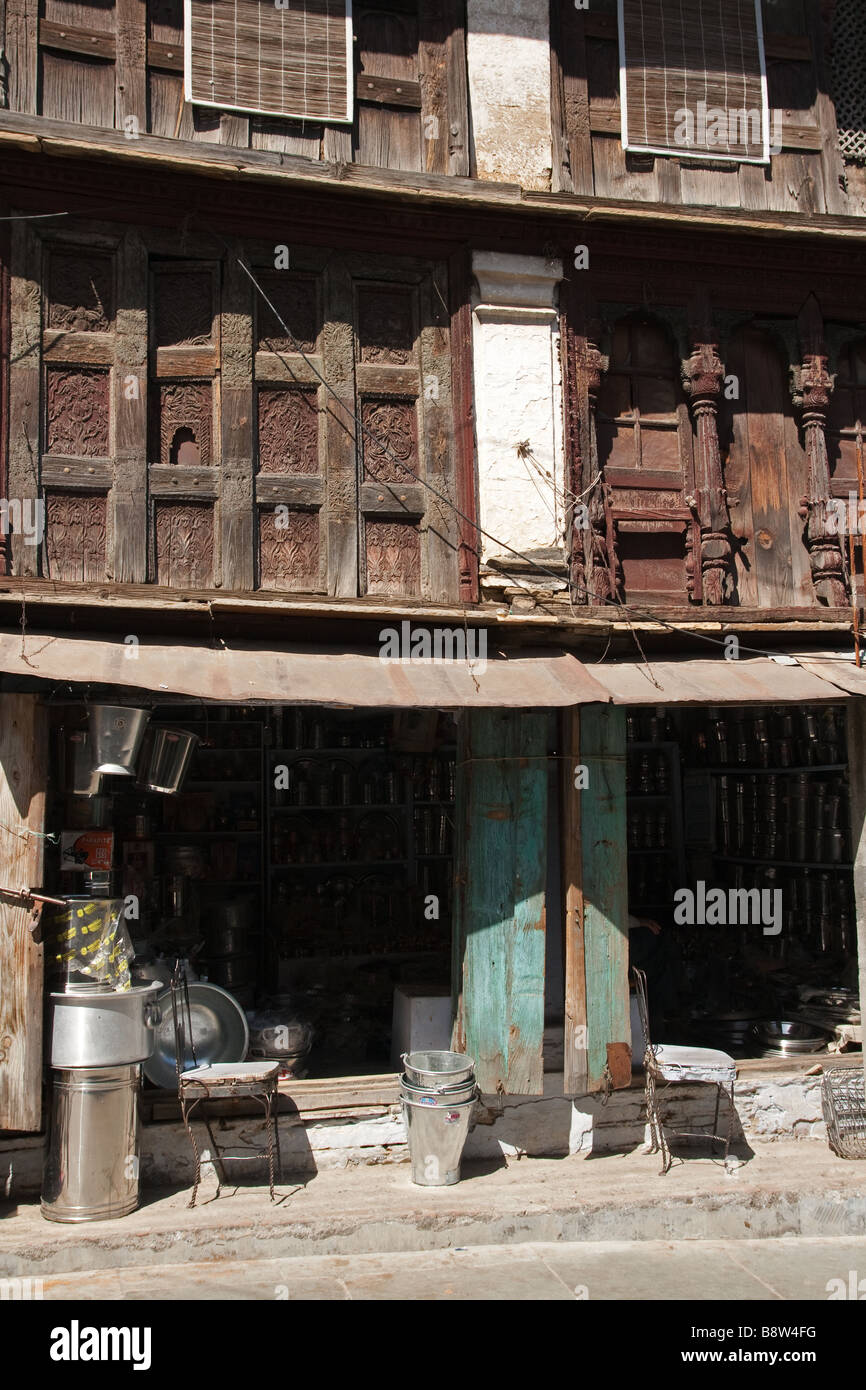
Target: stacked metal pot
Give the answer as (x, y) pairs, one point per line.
(438, 1091)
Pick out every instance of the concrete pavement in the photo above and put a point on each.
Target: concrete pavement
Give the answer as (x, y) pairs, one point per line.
(731, 1270)
(785, 1188)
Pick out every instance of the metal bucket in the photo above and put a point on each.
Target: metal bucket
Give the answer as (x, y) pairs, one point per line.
(116, 732)
(450, 1095)
(436, 1135)
(434, 1070)
(98, 1029)
(91, 1167)
(165, 759)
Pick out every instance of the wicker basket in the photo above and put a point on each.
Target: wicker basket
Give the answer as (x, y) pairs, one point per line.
(844, 1106)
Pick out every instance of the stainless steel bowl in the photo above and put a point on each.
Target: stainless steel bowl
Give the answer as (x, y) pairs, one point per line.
(790, 1036)
(433, 1071)
(220, 1033)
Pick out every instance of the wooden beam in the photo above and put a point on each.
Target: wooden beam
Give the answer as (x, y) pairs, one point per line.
(127, 531)
(23, 777)
(130, 76)
(606, 120)
(570, 43)
(857, 777)
(22, 53)
(236, 427)
(25, 385)
(166, 56)
(92, 43)
(575, 1057)
(388, 91)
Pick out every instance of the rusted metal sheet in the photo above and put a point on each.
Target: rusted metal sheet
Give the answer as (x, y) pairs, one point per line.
(500, 909)
(713, 682)
(242, 673)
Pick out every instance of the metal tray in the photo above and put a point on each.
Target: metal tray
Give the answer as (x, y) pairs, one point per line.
(220, 1033)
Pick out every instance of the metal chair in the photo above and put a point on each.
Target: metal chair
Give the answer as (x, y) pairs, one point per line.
(667, 1063)
(197, 1085)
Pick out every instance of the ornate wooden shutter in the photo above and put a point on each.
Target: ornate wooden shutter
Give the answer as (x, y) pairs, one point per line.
(185, 439)
(294, 427)
(409, 535)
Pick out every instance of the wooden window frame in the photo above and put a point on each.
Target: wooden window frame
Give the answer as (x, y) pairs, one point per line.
(265, 111)
(683, 152)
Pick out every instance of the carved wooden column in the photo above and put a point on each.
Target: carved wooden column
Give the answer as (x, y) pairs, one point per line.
(812, 386)
(601, 565)
(702, 377)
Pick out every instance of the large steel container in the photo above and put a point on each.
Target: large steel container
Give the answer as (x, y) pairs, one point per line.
(436, 1134)
(99, 1029)
(116, 732)
(165, 758)
(91, 1167)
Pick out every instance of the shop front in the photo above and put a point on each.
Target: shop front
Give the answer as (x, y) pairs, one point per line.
(412, 841)
(365, 861)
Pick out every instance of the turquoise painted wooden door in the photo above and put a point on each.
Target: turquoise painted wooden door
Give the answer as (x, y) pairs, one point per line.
(605, 896)
(500, 902)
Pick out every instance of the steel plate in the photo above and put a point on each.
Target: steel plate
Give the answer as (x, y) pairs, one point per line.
(220, 1033)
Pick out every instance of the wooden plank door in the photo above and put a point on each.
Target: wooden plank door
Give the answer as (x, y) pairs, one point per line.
(500, 905)
(597, 1033)
(765, 474)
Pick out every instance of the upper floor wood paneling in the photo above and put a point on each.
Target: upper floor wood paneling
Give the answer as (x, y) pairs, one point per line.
(118, 64)
(808, 174)
(202, 422)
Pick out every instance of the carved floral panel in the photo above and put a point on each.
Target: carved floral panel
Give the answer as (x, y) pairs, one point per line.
(183, 308)
(185, 415)
(74, 537)
(184, 544)
(393, 557)
(386, 329)
(392, 440)
(296, 299)
(81, 292)
(289, 430)
(77, 411)
(289, 556)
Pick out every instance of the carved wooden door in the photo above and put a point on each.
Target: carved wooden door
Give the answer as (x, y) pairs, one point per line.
(353, 411)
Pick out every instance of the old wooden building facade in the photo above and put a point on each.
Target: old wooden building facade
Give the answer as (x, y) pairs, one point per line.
(451, 330)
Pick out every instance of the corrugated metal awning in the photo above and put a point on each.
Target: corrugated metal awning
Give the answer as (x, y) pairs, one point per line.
(695, 681)
(243, 673)
(837, 668)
